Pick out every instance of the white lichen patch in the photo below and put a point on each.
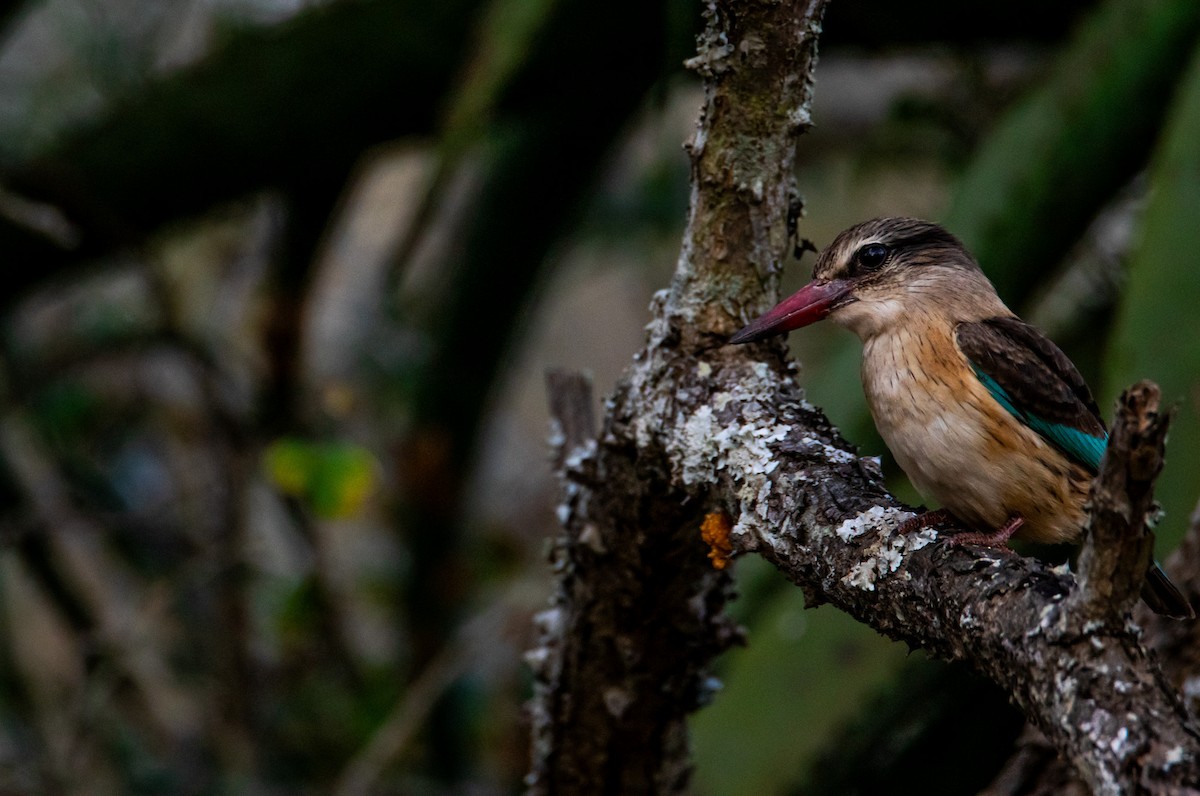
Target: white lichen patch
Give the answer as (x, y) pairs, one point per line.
(737, 434)
(875, 517)
(708, 441)
(741, 447)
(579, 454)
(538, 660)
(862, 575)
(887, 554)
(856, 526)
(922, 538)
(890, 558)
(1120, 745)
(549, 622)
(967, 618)
(743, 527)
(1105, 732)
(763, 493)
(800, 116)
(830, 452)
(1046, 619)
(647, 425)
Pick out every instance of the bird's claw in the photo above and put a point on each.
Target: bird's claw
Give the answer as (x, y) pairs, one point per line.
(929, 519)
(997, 538)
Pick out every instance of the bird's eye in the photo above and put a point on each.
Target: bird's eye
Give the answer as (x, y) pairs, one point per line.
(872, 256)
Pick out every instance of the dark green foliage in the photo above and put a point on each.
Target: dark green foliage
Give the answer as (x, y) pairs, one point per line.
(1073, 142)
(1157, 331)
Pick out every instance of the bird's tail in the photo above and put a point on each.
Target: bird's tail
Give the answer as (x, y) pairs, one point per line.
(1163, 596)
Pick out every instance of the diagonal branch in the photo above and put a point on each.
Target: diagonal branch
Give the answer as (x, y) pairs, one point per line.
(1088, 684)
(1033, 768)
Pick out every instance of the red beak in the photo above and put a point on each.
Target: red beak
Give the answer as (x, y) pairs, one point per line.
(808, 305)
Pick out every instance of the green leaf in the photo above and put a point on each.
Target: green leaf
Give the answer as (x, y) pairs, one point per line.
(335, 479)
(343, 480)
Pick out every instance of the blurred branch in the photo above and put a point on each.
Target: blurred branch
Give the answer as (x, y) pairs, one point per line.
(284, 403)
(272, 108)
(332, 622)
(103, 591)
(553, 124)
(403, 721)
(476, 639)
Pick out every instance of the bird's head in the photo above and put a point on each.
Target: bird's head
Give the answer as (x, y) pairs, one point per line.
(877, 274)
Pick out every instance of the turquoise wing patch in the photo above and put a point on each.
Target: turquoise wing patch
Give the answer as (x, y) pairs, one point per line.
(1079, 445)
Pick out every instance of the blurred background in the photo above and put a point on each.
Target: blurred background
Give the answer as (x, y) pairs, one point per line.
(280, 281)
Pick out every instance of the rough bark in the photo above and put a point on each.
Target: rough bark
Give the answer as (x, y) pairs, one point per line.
(1113, 567)
(696, 427)
(624, 651)
(1036, 768)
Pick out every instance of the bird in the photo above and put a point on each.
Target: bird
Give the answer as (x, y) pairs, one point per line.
(981, 410)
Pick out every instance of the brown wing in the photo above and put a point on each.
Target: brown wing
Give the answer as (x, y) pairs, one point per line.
(1035, 381)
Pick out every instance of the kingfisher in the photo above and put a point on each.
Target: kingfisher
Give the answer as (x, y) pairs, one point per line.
(980, 409)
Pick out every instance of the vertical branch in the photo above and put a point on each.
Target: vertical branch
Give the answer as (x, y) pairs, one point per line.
(1118, 550)
(757, 61)
(624, 651)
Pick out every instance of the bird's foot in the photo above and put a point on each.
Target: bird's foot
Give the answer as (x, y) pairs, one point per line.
(930, 519)
(997, 538)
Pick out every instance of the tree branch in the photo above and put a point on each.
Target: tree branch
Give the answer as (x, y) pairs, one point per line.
(623, 653)
(695, 426)
(1034, 768)
(1119, 547)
